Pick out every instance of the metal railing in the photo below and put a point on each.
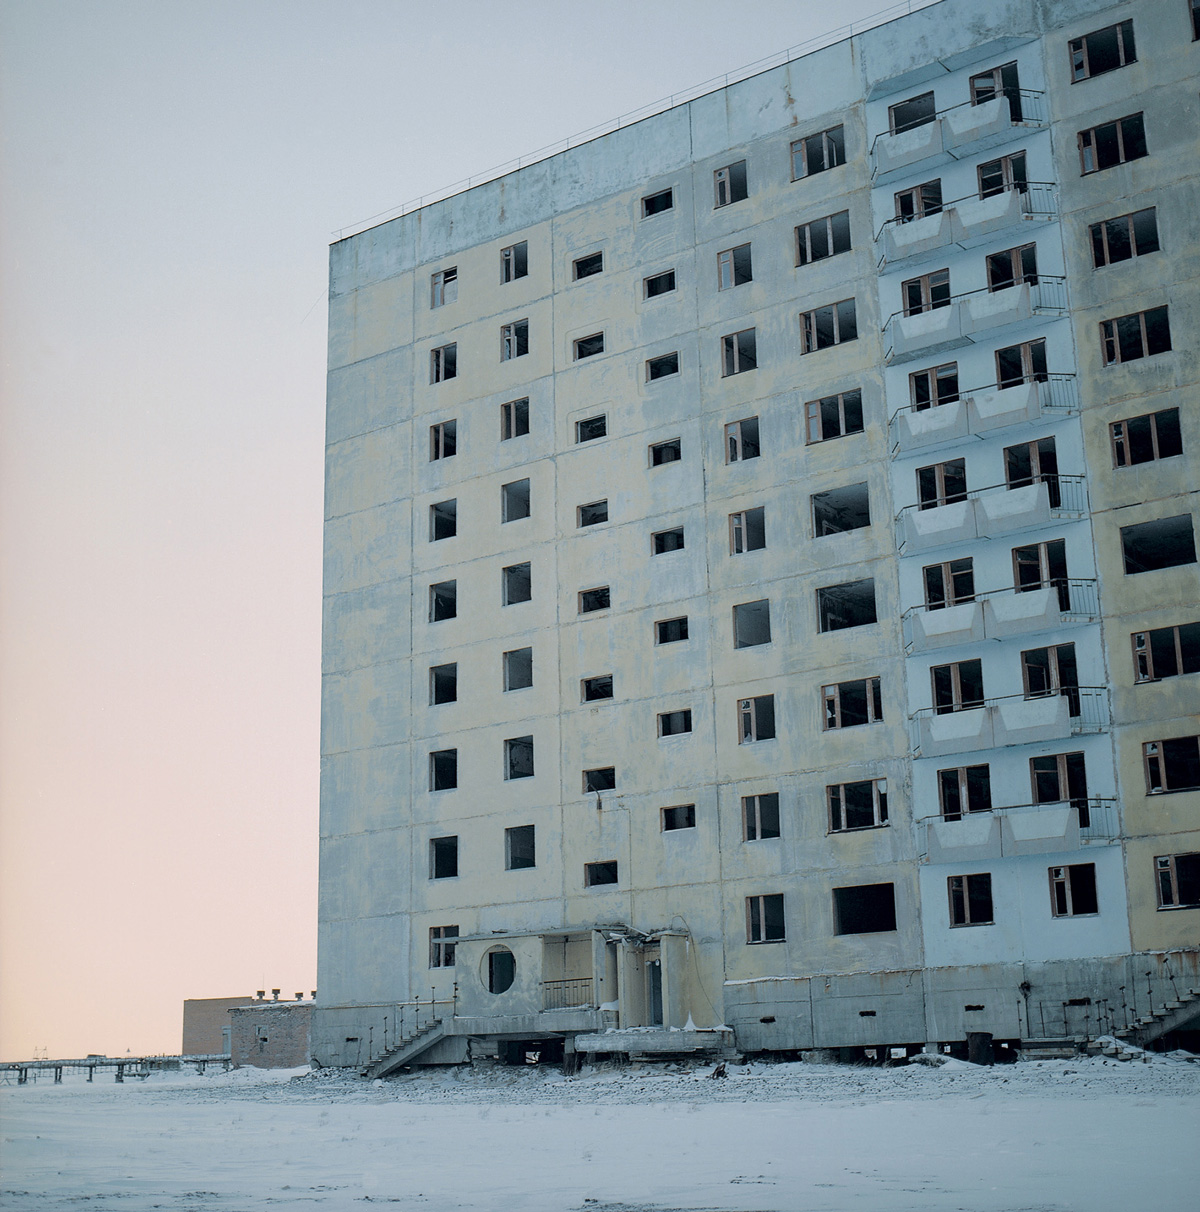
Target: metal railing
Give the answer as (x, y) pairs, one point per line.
(1047, 293)
(1057, 391)
(573, 994)
(1038, 199)
(1098, 817)
(1088, 706)
(1077, 597)
(1029, 104)
(1071, 495)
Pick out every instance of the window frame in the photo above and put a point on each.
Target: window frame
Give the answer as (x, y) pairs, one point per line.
(735, 351)
(1168, 864)
(591, 690)
(505, 600)
(738, 439)
(514, 746)
(759, 921)
(957, 701)
(1143, 652)
(667, 444)
(962, 782)
(605, 589)
(933, 377)
(833, 233)
(443, 362)
(685, 717)
(1023, 267)
(668, 361)
(814, 416)
(949, 578)
(585, 262)
(601, 770)
(433, 853)
(433, 600)
(514, 862)
(658, 537)
(942, 496)
(810, 332)
(831, 699)
(1100, 234)
(1063, 881)
(730, 185)
(832, 151)
(439, 672)
(647, 293)
(1011, 170)
(591, 429)
(1078, 54)
(593, 869)
(895, 128)
(756, 715)
(514, 262)
(512, 417)
(514, 340)
(659, 624)
(591, 513)
(744, 527)
(510, 501)
(1118, 432)
(735, 267)
(1088, 143)
(582, 350)
(753, 828)
(439, 280)
(443, 520)
(1155, 768)
(688, 821)
(763, 602)
(1033, 363)
(435, 783)
(835, 804)
(932, 291)
(442, 943)
(443, 440)
(964, 890)
(647, 199)
(509, 682)
(922, 204)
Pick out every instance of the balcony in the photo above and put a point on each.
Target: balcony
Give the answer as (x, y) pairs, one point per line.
(967, 316)
(999, 614)
(1010, 720)
(1022, 829)
(966, 222)
(987, 513)
(955, 133)
(573, 994)
(981, 410)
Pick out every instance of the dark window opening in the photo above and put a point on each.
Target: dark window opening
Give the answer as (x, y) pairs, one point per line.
(671, 631)
(741, 440)
(591, 428)
(1073, 890)
(597, 874)
(764, 919)
(514, 262)
(1144, 439)
(594, 599)
(603, 778)
(949, 584)
(864, 909)
(443, 684)
(833, 416)
(970, 900)
(1172, 765)
(585, 267)
(1166, 652)
(1126, 236)
(441, 946)
(518, 757)
(443, 520)
(734, 268)
(680, 816)
(662, 367)
(519, 848)
(593, 689)
(1163, 543)
(443, 363)
(823, 238)
(840, 509)
(830, 325)
(858, 805)
(929, 292)
(849, 704)
(818, 153)
(964, 789)
(1178, 881)
(851, 604)
(443, 858)
(747, 531)
(655, 204)
(907, 115)
(752, 624)
(1052, 671)
(1112, 143)
(739, 353)
(443, 601)
(592, 514)
(760, 816)
(674, 723)
(942, 484)
(518, 584)
(514, 340)
(1033, 463)
(658, 284)
(443, 440)
(919, 201)
(999, 81)
(663, 541)
(998, 176)
(730, 185)
(514, 419)
(1141, 335)
(443, 770)
(662, 453)
(502, 970)
(514, 501)
(1012, 267)
(957, 687)
(588, 347)
(1103, 50)
(933, 387)
(518, 669)
(1024, 363)
(756, 719)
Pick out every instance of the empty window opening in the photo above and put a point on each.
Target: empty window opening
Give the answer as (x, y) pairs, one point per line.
(764, 918)
(926, 293)
(1196, 20)
(441, 946)
(756, 719)
(1126, 236)
(957, 687)
(514, 340)
(1073, 890)
(1103, 50)
(1033, 463)
(933, 387)
(443, 858)
(655, 204)
(1172, 765)
(603, 778)
(514, 262)
(679, 816)
(752, 624)
(907, 115)
(1144, 439)
(733, 267)
(1058, 778)
(596, 875)
(443, 440)
(851, 604)
(864, 909)
(518, 757)
(663, 541)
(741, 440)
(443, 520)
(514, 419)
(942, 483)
(999, 176)
(818, 153)
(594, 599)
(833, 416)
(1051, 671)
(830, 325)
(747, 530)
(443, 683)
(662, 366)
(848, 704)
(592, 514)
(502, 970)
(1001, 81)
(443, 601)
(919, 201)
(514, 501)
(858, 805)
(518, 669)
(670, 451)
(1178, 881)
(443, 363)
(443, 772)
(739, 353)
(1112, 143)
(671, 631)
(444, 287)
(1166, 652)
(594, 689)
(823, 238)
(517, 584)
(658, 284)
(1024, 363)
(519, 848)
(1163, 543)
(588, 347)
(949, 584)
(674, 723)
(729, 184)
(586, 267)
(592, 428)
(1012, 267)
(970, 899)
(760, 816)
(964, 789)
(1041, 565)
(840, 509)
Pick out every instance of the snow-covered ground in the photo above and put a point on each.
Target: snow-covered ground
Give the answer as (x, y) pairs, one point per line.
(1088, 1135)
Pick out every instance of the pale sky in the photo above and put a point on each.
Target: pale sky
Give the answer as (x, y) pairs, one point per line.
(170, 178)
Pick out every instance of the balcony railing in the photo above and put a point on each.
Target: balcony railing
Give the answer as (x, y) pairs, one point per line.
(1006, 832)
(573, 994)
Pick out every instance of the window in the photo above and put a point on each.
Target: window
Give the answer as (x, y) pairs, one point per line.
(1073, 890)
(906, 115)
(1050, 671)
(760, 816)
(738, 353)
(444, 287)
(830, 325)
(662, 366)
(1102, 51)
(949, 584)
(589, 347)
(670, 451)
(1112, 143)
(502, 970)
(673, 723)
(840, 509)
(996, 82)
(518, 757)
(1172, 765)
(514, 419)
(663, 541)
(658, 284)
(1126, 236)
(591, 429)
(594, 689)
(942, 483)
(864, 909)
(851, 604)
(514, 501)
(848, 704)
(970, 899)
(817, 153)
(603, 778)
(764, 918)
(442, 440)
(733, 267)
(592, 514)
(729, 184)
(756, 719)
(514, 262)
(919, 201)
(441, 946)
(741, 440)
(514, 340)
(443, 858)
(518, 669)
(957, 687)
(443, 601)
(443, 683)
(597, 874)
(833, 416)
(517, 584)
(655, 204)
(861, 805)
(1033, 463)
(671, 631)
(747, 531)
(823, 238)
(443, 363)
(964, 789)
(1144, 439)
(519, 850)
(443, 770)
(443, 520)
(1195, 20)
(1059, 778)
(1039, 565)
(594, 599)
(1012, 267)
(926, 293)
(1178, 881)
(999, 176)
(1024, 363)
(1163, 543)
(585, 267)
(681, 816)
(1166, 652)
(752, 624)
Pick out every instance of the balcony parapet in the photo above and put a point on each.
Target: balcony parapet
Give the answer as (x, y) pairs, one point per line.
(1009, 832)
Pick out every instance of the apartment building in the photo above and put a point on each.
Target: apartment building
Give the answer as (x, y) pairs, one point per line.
(761, 591)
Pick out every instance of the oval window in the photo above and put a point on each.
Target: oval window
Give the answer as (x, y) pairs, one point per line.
(500, 968)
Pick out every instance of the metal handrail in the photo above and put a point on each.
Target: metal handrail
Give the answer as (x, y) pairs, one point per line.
(1034, 282)
(1056, 382)
(1084, 587)
(1089, 696)
(1025, 188)
(1030, 96)
(1069, 486)
(1100, 813)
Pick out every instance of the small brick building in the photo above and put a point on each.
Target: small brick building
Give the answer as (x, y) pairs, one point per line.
(271, 1035)
(206, 1029)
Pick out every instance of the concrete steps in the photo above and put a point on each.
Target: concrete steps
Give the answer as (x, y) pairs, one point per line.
(407, 1050)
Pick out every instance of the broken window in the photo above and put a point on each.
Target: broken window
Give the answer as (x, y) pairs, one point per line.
(514, 340)
(441, 946)
(1059, 778)
(818, 153)
(907, 115)
(851, 604)
(1126, 236)
(1033, 463)
(1050, 671)
(594, 599)
(739, 353)
(663, 541)
(443, 771)
(1040, 565)
(442, 440)
(670, 451)
(760, 816)
(1073, 890)
(933, 387)
(926, 293)
(514, 419)
(502, 970)
(829, 325)
(514, 501)
(1012, 267)
(443, 363)
(1163, 543)
(674, 723)
(655, 204)
(598, 874)
(859, 805)
(999, 81)
(592, 428)
(864, 909)
(970, 899)
(519, 848)
(443, 858)
(833, 416)
(518, 757)
(658, 284)
(662, 366)
(1103, 50)
(752, 624)
(840, 509)
(588, 347)
(1178, 880)
(957, 687)
(942, 483)
(848, 704)
(592, 514)
(444, 287)
(1112, 143)
(950, 583)
(729, 184)
(443, 520)
(1144, 439)
(764, 918)
(919, 201)
(741, 440)
(603, 778)
(679, 816)
(1024, 363)
(998, 176)
(443, 683)
(517, 584)
(964, 789)
(671, 631)
(1166, 652)
(514, 262)
(443, 601)
(585, 267)
(756, 719)
(733, 267)
(747, 530)
(823, 238)
(1172, 765)
(518, 669)
(593, 689)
